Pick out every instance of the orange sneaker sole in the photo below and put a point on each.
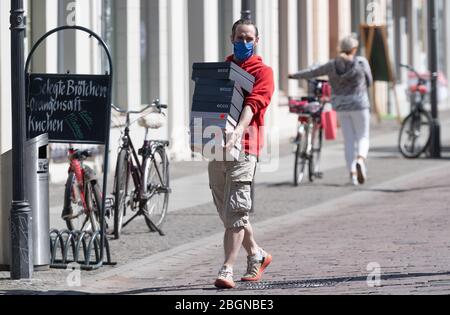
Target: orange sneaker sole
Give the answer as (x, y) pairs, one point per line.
(263, 268)
(223, 284)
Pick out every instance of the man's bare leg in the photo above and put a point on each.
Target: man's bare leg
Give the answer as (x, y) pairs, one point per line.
(249, 242)
(232, 242)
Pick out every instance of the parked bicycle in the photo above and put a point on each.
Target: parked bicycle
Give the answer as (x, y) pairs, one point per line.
(82, 196)
(309, 138)
(141, 185)
(415, 133)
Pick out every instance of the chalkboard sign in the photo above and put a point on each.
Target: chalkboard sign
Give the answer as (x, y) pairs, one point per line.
(377, 52)
(70, 108)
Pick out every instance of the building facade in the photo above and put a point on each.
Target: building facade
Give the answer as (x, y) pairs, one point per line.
(155, 42)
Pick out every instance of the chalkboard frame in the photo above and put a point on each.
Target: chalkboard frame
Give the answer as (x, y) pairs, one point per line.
(98, 139)
(103, 241)
(368, 33)
(368, 41)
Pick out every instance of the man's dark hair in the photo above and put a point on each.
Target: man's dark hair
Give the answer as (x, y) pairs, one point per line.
(244, 22)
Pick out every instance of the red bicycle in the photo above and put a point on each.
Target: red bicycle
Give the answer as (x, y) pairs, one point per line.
(82, 196)
(309, 138)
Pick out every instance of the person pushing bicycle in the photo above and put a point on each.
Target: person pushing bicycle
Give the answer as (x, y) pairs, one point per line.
(350, 76)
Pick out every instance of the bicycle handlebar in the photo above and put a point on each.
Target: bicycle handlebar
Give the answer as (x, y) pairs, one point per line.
(79, 155)
(117, 109)
(309, 80)
(317, 81)
(410, 68)
(154, 104)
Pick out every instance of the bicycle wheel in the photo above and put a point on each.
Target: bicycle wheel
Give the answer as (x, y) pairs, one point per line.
(94, 202)
(121, 191)
(82, 219)
(316, 152)
(300, 159)
(415, 134)
(156, 188)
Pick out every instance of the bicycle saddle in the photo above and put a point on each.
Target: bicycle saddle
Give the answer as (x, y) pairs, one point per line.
(82, 154)
(309, 99)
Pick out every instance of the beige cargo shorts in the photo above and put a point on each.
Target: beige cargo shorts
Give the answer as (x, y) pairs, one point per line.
(230, 184)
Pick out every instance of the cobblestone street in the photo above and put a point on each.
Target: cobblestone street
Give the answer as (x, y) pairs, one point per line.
(326, 237)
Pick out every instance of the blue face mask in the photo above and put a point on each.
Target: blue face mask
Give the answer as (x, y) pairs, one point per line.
(243, 51)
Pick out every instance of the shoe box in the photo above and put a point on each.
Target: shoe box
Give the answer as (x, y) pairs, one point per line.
(220, 91)
(223, 71)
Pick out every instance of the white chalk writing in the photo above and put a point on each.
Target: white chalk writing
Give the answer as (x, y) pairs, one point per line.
(51, 101)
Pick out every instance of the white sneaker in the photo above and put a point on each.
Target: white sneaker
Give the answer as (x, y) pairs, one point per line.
(354, 181)
(225, 279)
(362, 171)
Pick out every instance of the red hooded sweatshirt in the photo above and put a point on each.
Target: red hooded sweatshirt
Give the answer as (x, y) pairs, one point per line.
(259, 100)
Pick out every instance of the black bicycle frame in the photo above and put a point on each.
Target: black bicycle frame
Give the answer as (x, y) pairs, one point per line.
(136, 168)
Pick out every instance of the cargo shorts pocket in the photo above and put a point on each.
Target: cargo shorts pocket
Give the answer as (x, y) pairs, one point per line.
(240, 197)
(217, 194)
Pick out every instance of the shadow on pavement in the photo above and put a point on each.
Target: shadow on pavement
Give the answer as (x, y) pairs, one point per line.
(396, 154)
(345, 185)
(284, 285)
(389, 149)
(244, 286)
(33, 292)
(400, 191)
(279, 185)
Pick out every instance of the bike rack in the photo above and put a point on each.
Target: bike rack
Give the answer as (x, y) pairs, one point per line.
(66, 240)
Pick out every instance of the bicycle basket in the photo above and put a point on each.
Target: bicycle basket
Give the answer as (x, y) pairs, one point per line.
(421, 89)
(297, 106)
(153, 120)
(304, 105)
(313, 108)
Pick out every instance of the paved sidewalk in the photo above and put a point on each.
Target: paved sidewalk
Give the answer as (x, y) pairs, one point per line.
(322, 250)
(319, 248)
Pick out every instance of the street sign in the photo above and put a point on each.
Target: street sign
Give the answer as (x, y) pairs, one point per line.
(70, 108)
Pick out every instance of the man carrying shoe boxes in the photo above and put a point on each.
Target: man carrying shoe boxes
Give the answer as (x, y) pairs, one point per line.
(231, 181)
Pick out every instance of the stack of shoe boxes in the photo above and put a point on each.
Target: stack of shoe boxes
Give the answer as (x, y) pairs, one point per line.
(220, 91)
